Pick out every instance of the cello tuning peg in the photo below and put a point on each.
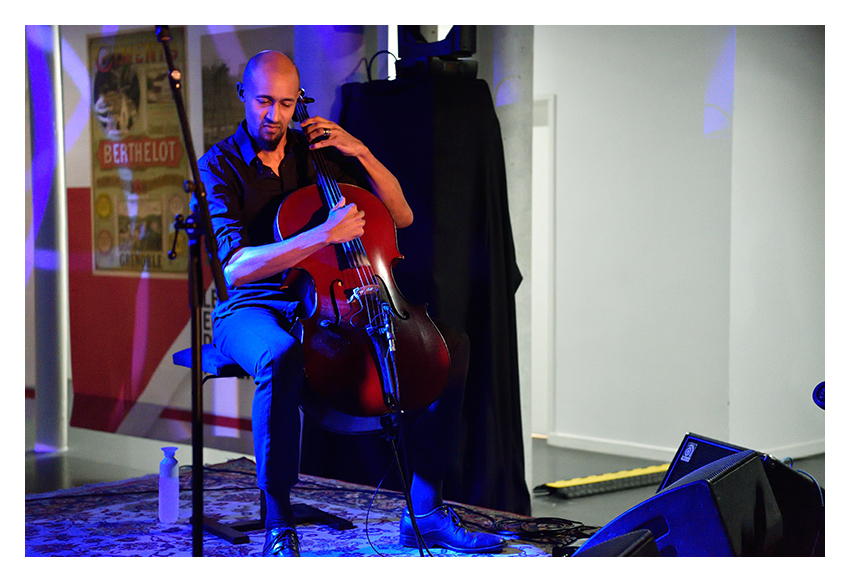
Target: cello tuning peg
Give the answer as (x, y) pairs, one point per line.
(303, 95)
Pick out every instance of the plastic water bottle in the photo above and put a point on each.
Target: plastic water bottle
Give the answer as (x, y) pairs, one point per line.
(169, 487)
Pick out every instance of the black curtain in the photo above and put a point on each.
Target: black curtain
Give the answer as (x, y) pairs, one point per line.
(441, 138)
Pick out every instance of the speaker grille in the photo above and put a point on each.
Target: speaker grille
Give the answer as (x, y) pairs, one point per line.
(713, 471)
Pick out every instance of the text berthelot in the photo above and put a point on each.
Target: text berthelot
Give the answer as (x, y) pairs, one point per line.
(139, 153)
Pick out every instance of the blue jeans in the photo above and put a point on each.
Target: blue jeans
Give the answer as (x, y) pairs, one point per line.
(255, 337)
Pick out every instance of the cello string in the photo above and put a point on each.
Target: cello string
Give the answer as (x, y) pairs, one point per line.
(333, 195)
(326, 185)
(354, 250)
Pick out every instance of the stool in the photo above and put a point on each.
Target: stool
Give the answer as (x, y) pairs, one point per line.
(216, 365)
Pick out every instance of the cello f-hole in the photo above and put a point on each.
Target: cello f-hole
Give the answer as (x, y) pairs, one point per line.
(388, 298)
(333, 298)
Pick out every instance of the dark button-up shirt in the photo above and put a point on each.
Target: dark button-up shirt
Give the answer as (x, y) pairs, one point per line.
(244, 196)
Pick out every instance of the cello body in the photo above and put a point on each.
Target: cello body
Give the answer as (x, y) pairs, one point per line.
(357, 370)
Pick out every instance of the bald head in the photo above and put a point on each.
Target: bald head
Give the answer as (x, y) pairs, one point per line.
(269, 89)
(267, 63)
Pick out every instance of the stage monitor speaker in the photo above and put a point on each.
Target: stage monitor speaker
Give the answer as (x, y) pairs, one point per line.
(696, 451)
(802, 504)
(636, 544)
(800, 498)
(725, 508)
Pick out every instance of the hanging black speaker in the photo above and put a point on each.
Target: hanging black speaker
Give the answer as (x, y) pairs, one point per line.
(441, 57)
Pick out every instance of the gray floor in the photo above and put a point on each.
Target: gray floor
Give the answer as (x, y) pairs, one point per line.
(95, 457)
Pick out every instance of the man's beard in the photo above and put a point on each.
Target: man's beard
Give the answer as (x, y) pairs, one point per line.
(269, 145)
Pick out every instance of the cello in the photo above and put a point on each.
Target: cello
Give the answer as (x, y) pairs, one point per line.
(368, 353)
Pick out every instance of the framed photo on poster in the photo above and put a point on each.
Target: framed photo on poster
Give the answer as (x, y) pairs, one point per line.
(138, 159)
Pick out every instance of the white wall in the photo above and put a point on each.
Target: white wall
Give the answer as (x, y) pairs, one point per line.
(777, 261)
(688, 237)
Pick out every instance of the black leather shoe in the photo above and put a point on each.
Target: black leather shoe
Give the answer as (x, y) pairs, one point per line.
(443, 528)
(281, 542)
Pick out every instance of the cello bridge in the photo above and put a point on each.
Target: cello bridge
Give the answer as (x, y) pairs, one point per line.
(362, 293)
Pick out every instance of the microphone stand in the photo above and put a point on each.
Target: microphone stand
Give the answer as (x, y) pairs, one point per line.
(391, 423)
(195, 227)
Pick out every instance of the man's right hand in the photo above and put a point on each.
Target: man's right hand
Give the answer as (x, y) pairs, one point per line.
(345, 222)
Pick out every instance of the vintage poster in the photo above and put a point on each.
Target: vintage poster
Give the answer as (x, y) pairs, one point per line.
(138, 156)
(129, 304)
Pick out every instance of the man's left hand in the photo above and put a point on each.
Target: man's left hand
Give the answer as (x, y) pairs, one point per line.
(323, 133)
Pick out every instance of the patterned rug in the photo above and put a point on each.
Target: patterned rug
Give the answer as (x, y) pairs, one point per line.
(120, 519)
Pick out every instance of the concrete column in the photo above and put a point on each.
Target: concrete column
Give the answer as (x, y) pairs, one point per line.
(50, 271)
(330, 56)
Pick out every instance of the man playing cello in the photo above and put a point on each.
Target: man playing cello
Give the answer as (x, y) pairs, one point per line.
(246, 177)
